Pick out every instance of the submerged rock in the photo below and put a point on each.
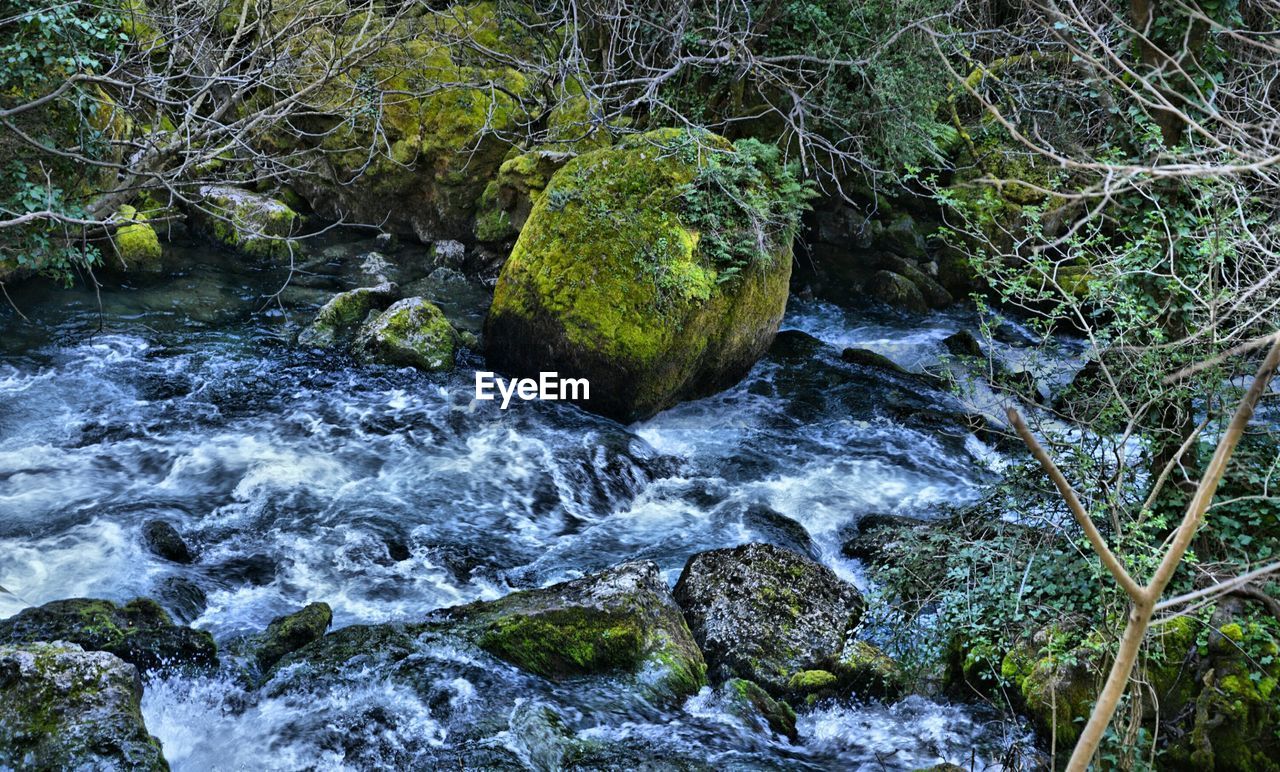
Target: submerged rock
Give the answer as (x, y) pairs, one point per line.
(163, 540)
(139, 632)
(962, 343)
(182, 598)
(765, 614)
(65, 708)
(245, 221)
(338, 320)
(609, 281)
(411, 332)
(620, 620)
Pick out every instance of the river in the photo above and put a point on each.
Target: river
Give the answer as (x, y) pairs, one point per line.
(388, 493)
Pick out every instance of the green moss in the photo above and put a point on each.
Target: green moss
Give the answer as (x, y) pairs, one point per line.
(811, 681)
(1232, 631)
(249, 223)
(411, 332)
(747, 699)
(287, 634)
(868, 671)
(561, 643)
(136, 243)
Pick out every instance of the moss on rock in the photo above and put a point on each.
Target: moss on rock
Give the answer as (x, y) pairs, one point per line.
(64, 708)
(435, 146)
(620, 621)
(765, 614)
(290, 632)
(746, 700)
(608, 281)
(136, 244)
(411, 332)
(247, 222)
(139, 632)
(339, 319)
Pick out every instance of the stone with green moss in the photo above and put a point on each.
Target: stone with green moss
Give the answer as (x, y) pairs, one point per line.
(896, 290)
(135, 242)
(765, 614)
(338, 320)
(750, 703)
(507, 200)
(411, 332)
(65, 708)
(417, 160)
(250, 223)
(611, 281)
(139, 632)
(290, 632)
(620, 621)
(866, 671)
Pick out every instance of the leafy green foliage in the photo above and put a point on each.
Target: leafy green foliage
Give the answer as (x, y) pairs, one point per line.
(41, 45)
(745, 204)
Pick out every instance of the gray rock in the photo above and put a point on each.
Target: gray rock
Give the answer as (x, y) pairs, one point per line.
(65, 708)
(449, 254)
(163, 540)
(896, 290)
(763, 613)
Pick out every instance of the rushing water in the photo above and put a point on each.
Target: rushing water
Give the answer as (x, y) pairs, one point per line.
(388, 493)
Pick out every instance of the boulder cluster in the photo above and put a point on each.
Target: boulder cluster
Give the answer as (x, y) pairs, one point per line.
(769, 629)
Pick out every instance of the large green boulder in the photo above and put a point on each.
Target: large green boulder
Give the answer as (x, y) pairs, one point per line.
(139, 632)
(657, 269)
(65, 708)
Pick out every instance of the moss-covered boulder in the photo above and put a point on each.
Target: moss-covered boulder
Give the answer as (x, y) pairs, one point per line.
(411, 332)
(135, 242)
(65, 708)
(246, 222)
(290, 632)
(139, 632)
(768, 615)
(657, 269)
(622, 621)
(338, 320)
